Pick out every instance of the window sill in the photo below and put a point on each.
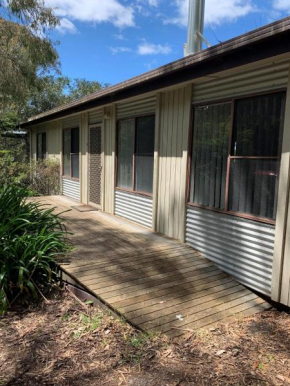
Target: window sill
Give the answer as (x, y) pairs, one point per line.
(134, 192)
(235, 214)
(70, 178)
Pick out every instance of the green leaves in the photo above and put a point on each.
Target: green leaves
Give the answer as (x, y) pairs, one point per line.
(32, 237)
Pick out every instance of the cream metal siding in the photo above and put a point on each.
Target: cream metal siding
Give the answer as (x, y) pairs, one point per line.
(137, 107)
(175, 109)
(220, 86)
(285, 288)
(71, 188)
(95, 116)
(134, 207)
(281, 266)
(240, 247)
(84, 158)
(109, 144)
(53, 140)
(71, 122)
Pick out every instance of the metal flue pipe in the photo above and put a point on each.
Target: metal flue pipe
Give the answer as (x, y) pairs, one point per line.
(195, 26)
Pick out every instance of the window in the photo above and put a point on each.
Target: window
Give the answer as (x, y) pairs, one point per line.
(41, 146)
(136, 154)
(236, 155)
(71, 153)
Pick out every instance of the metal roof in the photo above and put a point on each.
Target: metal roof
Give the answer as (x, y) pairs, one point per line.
(262, 36)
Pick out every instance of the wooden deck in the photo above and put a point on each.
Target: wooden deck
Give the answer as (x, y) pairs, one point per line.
(156, 283)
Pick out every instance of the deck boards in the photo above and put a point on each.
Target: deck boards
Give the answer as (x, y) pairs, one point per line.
(157, 283)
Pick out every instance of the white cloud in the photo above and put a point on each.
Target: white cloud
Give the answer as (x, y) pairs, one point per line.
(66, 26)
(216, 12)
(120, 37)
(153, 3)
(153, 49)
(117, 50)
(282, 5)
(97, 11)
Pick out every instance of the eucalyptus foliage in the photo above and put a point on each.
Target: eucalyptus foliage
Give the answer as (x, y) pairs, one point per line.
(32, 238)
(26, 51)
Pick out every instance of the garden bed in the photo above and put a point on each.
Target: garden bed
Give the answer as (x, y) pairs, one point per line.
(61, 342)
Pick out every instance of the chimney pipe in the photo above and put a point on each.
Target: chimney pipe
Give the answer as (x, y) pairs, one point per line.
(195, 27)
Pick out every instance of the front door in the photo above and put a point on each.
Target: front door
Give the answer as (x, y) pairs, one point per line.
(95, 165)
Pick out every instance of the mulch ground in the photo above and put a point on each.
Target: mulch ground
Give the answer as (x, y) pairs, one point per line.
(62, 342)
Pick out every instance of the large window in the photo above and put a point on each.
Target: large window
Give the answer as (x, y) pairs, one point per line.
(136, 154)
(236, 155)
(41, 146)
(71, 153)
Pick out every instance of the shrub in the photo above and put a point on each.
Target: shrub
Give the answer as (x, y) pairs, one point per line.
(41, 177)
(45, 177)
(32, 237)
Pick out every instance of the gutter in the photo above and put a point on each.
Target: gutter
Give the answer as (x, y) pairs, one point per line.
(262, 43)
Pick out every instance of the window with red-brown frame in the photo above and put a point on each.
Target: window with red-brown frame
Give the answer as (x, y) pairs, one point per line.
(71, 153)
(235, 158)
(135, 154)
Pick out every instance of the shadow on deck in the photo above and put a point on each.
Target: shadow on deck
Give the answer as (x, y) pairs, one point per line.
(156, 283)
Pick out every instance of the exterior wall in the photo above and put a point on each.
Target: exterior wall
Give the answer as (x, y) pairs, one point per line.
(243, 248)
(269, 76)
(175, 111)
(141, 106)
(53, 138)
(281, 266)
(239, 247)
(84, 158)
(134, 207)
(71, 188)
(109, 159)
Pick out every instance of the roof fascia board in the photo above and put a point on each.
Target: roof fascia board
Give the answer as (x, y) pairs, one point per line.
(270, 47)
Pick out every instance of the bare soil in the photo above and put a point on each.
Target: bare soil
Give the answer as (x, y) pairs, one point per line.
(62, 342)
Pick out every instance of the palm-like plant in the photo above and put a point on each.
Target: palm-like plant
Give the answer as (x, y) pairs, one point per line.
(32, 237)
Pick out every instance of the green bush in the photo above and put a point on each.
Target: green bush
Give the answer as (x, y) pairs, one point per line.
(41, 177)
(32, 237)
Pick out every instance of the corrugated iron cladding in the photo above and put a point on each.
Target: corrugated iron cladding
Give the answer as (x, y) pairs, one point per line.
(71, 188)
(139, 107)
(270, 77)
(134, 207)
(95, 116)
(240, 247)
(71, 122)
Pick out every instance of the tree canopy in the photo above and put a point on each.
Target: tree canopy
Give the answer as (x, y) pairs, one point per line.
(26, 51)
(30, 77)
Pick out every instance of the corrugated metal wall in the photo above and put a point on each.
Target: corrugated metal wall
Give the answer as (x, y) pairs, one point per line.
(134, 207)
(53, 140)
(109, 161)
(175, 109)
(137, 107)
(71, 122)
(267, 77)
(240, 247)
(71, 188)
(95, 116)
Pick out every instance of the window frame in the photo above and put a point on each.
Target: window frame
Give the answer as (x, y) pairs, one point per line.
(62, 172)
(231, 100)
(37, 153)
(132, 190)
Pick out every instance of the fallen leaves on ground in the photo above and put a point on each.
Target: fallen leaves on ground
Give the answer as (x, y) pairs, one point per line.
(65, 343)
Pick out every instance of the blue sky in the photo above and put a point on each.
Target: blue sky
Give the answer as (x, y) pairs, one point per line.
(113, 40)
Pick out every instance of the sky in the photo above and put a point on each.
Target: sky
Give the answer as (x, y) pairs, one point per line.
(113, 40)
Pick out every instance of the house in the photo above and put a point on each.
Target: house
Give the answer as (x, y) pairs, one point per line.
(197, 150)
